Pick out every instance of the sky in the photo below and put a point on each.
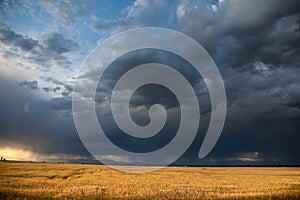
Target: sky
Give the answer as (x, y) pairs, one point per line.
(255, 45)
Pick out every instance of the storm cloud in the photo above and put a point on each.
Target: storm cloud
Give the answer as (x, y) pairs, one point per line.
(255, 45)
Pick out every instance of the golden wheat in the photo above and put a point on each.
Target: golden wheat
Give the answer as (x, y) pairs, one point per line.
(75, 181)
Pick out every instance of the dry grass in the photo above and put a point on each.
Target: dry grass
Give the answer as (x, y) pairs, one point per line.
(67, 181)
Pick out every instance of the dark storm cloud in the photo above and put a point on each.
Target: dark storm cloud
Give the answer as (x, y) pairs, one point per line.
(258, 119)
(238, 33)
(27, 122)
(146, 96)
(294, 104)
(243, 31)
(126, 62)
(256, 46)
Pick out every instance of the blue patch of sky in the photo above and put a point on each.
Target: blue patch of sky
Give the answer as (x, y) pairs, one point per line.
(24, 19)
(112, 10)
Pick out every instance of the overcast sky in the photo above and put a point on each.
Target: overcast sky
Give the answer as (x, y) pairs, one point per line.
(255, 44)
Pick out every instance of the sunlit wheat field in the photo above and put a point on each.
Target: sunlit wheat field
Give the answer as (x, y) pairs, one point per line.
(76, 181)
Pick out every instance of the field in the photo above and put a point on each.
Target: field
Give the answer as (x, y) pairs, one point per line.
(76, 181)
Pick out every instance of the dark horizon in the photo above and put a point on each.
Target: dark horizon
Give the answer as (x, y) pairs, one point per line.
(172, 165)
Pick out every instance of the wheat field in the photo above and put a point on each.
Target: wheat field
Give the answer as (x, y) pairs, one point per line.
(76, 181)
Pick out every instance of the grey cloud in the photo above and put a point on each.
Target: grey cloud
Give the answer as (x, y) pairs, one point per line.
(3, 5)
(54, 47)
(99, 27)
(57, 43)
(61, 103)
(62, 87)
(30, 84)
(243, 31)
(241, 19)
(46, 89)
(9, 37)
(56, 89)
(258, 118)
(294, 99)
(67, 86)
(51, 48)
(38, 127)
